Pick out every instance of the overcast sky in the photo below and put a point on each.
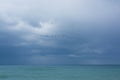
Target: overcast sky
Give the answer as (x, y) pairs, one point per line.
(59, 32)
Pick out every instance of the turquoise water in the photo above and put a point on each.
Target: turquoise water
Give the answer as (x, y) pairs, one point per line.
(59, 72)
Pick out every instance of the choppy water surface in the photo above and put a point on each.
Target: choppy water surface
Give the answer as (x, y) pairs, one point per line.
(59, 72)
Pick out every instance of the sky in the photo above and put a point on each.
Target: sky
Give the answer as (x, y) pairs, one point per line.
(59, 32)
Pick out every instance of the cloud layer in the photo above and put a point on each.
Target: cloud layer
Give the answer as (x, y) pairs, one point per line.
(59, 32)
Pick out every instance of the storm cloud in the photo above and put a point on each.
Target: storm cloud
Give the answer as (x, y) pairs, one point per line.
(59, 32)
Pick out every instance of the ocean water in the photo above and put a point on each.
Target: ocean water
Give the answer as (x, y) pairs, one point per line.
(59, 72)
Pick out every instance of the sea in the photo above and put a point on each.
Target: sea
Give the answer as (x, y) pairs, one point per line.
(89, 72)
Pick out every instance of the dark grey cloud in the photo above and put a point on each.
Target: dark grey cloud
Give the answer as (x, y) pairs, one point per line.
(59, 32)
